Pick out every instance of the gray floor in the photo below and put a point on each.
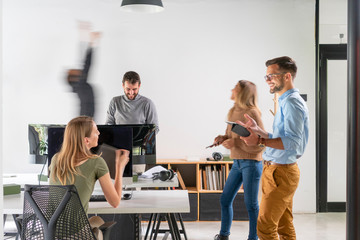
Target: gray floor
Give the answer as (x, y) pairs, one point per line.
(324, 226)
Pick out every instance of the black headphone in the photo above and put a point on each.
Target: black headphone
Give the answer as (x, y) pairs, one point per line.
(164, 175)
(216, 157)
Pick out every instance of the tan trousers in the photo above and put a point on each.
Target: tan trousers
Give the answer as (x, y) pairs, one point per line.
(275, 219)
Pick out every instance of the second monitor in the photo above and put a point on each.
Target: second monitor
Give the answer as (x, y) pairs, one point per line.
(144, 142)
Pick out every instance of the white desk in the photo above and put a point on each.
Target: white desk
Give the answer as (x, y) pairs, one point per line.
(153, 183)
(22, 179)
(31, 178)
(151, 201)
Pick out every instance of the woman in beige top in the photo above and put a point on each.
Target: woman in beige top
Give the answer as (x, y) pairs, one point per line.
(247, 166)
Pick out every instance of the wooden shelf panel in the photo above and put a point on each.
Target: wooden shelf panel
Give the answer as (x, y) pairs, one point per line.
(210, 191)
(192, 174)
(217, 191)
(184, 161)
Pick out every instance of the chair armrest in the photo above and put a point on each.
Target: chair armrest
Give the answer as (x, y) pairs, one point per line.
(107, 225)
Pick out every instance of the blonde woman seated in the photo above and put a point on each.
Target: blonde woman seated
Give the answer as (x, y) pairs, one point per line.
(75, 164)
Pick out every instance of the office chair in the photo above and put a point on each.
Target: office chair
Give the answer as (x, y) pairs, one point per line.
(55, 212)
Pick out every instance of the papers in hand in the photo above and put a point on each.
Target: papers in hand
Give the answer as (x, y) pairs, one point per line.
(149, 173)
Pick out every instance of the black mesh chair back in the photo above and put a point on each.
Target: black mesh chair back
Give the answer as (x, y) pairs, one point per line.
(54, 212)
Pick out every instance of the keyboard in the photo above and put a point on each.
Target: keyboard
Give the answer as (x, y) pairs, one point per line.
(101, 198)
(97, 198)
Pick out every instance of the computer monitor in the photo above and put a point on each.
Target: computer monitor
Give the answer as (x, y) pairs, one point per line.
(34, 140)
(115, 137)
(144, 142)
(38, 137)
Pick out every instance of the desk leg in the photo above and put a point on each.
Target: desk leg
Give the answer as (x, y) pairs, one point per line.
(182, 226)
(155, 221)
(16, 234)
(137, 227)
(166, 235)
(152, 215)
(18, 224)
(172, 226)
(158, 220)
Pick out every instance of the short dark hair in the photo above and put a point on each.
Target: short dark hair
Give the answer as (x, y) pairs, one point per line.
(285, 63)
(131, 77)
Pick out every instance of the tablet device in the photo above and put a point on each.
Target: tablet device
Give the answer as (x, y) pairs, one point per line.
(238, 129)
(109, 155)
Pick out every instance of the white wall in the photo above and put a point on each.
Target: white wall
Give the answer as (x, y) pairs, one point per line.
(332, 21)
(337, 130)
(189, 57)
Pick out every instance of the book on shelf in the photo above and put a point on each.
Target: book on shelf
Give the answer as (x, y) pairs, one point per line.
(205, 185)
(209, 177)
(200, 179)
(215, 176)
(181, 181)
(223, 175)
(220, 177)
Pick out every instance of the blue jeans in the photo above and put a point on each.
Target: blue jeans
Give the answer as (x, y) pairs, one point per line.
(247, 172)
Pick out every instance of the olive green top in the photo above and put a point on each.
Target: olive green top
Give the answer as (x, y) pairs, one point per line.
(91, 171)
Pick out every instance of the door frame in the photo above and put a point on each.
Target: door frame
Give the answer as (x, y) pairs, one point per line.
(326, 52)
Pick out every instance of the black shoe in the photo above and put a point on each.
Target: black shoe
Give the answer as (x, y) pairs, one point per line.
(219, 237)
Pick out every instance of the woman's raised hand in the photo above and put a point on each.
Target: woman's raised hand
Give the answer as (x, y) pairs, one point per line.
(122, 157)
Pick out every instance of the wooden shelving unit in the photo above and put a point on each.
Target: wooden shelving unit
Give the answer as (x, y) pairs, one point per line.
(204, 204)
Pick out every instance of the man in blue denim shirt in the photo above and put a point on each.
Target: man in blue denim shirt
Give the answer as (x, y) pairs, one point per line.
(283, 147)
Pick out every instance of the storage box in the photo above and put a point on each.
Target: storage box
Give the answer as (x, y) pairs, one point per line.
(210, 208)
(11, 189)
(193, 214)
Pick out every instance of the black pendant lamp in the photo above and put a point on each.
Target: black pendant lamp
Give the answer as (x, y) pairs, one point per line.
(142, 6)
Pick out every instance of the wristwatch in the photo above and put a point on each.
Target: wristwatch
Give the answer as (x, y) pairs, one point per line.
(261, 142)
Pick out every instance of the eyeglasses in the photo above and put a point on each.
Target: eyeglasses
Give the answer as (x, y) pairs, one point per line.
(271, 76)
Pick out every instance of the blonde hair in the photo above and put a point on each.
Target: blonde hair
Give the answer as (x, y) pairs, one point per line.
(246, 97)
(73, 149)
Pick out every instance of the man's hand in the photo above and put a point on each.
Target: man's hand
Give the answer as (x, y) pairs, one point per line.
(251, 123)
(252, 139)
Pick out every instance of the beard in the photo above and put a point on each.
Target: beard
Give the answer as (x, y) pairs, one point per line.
(279, 87)
(131, 97)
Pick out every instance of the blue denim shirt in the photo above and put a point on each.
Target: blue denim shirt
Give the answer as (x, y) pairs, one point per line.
(291, 124)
